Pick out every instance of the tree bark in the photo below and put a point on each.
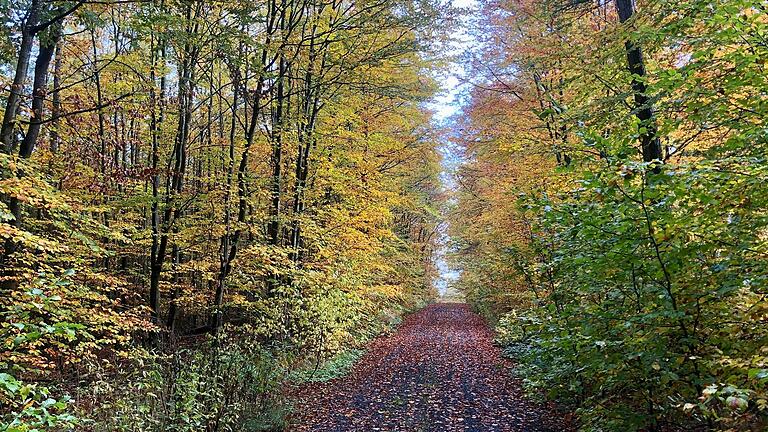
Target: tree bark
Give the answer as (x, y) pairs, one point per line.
(7, 131)
(179, 159)
(99, 104)
(39, 90)
(56, 104)
(158, 117)
(230, 240)
(649, 139)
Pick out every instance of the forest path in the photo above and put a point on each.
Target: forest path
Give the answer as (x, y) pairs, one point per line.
(440, 372)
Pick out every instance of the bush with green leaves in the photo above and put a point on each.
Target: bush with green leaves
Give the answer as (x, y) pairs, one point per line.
(31, 408)
(226, 383)
(656, 313)
(34, 331)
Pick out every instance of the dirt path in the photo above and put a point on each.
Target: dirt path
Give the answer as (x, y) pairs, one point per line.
(440, 373)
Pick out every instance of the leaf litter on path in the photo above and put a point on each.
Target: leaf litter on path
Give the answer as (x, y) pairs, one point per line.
(440, 372)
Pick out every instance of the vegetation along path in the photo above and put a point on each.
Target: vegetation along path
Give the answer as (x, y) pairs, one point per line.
(439, 372)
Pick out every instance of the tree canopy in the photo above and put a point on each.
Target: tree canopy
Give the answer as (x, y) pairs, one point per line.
(202, 201)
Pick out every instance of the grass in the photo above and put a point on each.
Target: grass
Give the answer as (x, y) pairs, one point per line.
(335, 367)
(273, 418)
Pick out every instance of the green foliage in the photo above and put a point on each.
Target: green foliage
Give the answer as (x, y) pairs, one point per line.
(36, 335)
(30, 408)
(635, 292)
(231, 381)
(657, 296)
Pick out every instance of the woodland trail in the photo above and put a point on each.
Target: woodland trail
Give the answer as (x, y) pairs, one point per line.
(440, 372)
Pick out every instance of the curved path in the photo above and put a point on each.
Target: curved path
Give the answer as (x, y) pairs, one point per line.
(439, 373)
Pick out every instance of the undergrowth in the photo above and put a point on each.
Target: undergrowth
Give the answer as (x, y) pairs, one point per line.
(335, 367)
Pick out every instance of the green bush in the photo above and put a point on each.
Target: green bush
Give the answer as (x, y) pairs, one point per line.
(225, 384)
(29, 407)
(655, 313)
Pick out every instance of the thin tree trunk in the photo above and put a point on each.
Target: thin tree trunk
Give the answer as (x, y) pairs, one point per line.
(99, 99)
(56, 105)
(39, 90)
(227, 252)
(230, 242)
(158, 118)
(277, 161)
(273, 230)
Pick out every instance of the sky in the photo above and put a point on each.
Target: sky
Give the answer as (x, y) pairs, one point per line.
(446, 105)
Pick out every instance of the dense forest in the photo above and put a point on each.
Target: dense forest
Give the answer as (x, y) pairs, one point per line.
(611, 213)
(199, 194)
(205, 204)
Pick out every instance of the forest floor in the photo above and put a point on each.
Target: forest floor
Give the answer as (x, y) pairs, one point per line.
(440, 372)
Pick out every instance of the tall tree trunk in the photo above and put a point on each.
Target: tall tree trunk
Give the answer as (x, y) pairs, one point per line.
(179, 158)
(307, 115)
(158, 117)
(277, 160)
(649, 139)
(99, 103)
(227, 249)
(230, 240)
(273, 230)
(7, 131)
(39, 91)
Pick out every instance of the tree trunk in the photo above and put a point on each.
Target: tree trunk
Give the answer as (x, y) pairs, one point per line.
(56, 105)
(277, 162)
(227, 254)
(273, 231)
(39, 91)
(230, 241)
(7, 131)
(99, 104)
(158, 117)
(175, 182)
(307, 116)
(649, 139)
